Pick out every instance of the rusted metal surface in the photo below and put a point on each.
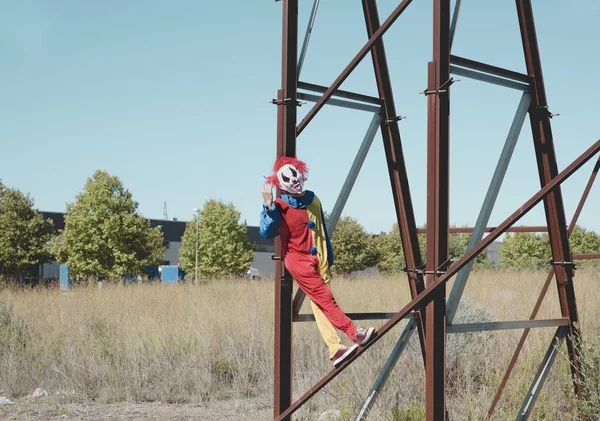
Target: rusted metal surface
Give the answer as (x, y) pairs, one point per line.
(539, 117)
(543, 292)
(402, 201)
(586, 256)
(488, 68)
(342, 94)
(354, 316)
(468, 230)
(438, 190)
(286, 146)
(394, 154)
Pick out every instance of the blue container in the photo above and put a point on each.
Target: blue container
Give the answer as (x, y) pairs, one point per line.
(169, 274)
(64, 277)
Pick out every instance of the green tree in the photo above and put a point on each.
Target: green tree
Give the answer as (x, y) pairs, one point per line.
(104, 236)
(390, 253)
(525, 250)
(584, 241)
(457, 247)
(390, 257)
(25, 235)
(223, 245)
(353, 248)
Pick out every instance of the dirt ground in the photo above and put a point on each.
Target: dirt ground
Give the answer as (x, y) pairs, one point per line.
(57, 408)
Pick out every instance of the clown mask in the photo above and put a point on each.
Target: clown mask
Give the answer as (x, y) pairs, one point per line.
(290, 179)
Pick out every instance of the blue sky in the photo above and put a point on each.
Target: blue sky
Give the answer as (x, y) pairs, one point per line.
(173, 97)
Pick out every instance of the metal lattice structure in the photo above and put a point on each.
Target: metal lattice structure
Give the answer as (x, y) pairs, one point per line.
(431, 310)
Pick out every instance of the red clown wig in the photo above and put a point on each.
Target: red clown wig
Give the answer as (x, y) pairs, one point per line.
(284, 160)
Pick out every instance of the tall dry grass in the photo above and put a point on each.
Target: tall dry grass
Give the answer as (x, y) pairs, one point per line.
(215, 341)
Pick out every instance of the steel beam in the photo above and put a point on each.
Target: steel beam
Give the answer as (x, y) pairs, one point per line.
(342, 94)
(309, 27)
(517, 324)
(494, 80)
(387, 369)
(340, 103)
(586, 256)
(454, 21)
(354, 316)
(355, 61)
(492, 70)
(488, 203)
(286, 146)
(392, 145)
(542, 374)
(438, 189)
(428, 293)
(539, 118)
(540, 299)
(467, 230)
(359, 160)
(402, 200)
(344, 194)
(522, 210)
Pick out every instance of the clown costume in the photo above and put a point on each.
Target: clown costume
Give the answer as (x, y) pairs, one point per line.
(297, 217)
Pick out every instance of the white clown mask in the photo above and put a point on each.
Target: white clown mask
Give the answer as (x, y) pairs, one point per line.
(290, 179)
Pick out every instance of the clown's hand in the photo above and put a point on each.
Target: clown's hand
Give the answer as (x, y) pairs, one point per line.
(267, 193)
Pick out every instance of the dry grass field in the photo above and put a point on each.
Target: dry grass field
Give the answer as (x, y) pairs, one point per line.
(206, 351)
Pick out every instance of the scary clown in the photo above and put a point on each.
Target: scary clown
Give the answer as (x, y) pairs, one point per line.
(297, 217)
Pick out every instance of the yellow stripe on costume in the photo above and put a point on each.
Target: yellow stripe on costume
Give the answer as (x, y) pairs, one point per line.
(319, 239)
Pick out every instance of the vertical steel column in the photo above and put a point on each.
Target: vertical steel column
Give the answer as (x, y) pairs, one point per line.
(438, 110)
(488, 203)
(396, 165)
(402, 201)
(539, 117)
(286, 146)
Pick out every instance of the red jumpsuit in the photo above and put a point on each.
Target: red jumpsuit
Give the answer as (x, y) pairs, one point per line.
(307, 254)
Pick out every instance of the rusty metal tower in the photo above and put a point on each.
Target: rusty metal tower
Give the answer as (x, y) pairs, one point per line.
(431, 310)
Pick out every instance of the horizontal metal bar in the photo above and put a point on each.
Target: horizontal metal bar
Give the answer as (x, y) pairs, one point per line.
(341, 103)
(342, 94)
(352, 65)
(484, 77)
(518, 324)
(467, 230)
(586, 256)
(488, 68)
(353, 316)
